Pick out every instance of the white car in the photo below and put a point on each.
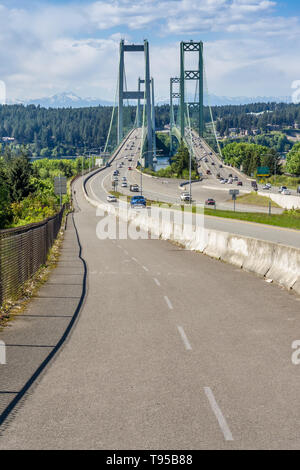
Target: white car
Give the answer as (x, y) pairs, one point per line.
(124, 184)
(282, 188)
(222, 181)
(111, 198)
(185, 196)
(286, 192)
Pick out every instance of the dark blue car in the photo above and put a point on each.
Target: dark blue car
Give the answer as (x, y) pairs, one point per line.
(138, 201)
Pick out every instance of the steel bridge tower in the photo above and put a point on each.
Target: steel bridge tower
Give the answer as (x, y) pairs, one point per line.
(136, 95)
(197, 75)
(173, 95)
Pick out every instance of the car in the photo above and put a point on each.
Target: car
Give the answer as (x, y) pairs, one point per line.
(205, 159)
(185, 196)
(210, 202)
(230, 175)
(230, 181)
(129, 168)
(298, 190)
(282, 188)
(235, 178)
(116, 173)
(266, 187)
(222, 181)
(286, 192)
(111, 198)
(220, 166)
(212, 163)
(134, 188)
(218, 175)
(239, 183)
(124, 178)
(130, 159)
(208, 172)
(138, 201)
(124, 184)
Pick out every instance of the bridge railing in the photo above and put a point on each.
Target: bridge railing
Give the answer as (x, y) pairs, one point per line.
(23, 250)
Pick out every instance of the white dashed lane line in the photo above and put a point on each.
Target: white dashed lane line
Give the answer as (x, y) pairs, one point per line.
(186, 342)
(168, 302)
(156, 281)
(218, 413)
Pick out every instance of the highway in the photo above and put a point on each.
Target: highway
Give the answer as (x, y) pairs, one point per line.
(168, 191)
(172, 350)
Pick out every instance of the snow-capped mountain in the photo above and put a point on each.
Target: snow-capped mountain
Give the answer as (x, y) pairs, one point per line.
(64, 100)
(70, 99)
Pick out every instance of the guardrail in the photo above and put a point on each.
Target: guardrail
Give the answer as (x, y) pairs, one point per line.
(23, 250)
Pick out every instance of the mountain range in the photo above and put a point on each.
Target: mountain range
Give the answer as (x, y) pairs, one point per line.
(70, 99)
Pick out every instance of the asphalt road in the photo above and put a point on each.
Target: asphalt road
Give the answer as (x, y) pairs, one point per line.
(172, 350)
(167, 190)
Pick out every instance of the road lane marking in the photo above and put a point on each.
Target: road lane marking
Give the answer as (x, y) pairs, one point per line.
(168, 302)
(119, 246)
(218, 413)
(145, 269)
(126, 252)
(156, 281)
(134, 259)
(187, 344)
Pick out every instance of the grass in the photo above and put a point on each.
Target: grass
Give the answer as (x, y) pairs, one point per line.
(288, 219)
(256, 200)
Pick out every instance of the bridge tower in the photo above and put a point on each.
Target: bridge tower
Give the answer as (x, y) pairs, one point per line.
(136, 95)
(173, 95)
(197, 75)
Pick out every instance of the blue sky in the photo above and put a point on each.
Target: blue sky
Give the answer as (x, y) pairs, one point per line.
(47, 47)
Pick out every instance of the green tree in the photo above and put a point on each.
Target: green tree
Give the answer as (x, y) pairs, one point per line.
(19, 178)
(293, 160)
(5, 211)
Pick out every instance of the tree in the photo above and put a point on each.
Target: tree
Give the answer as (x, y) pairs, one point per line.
(19, 178)
(5, 211)
(293, 160)
(181, 161)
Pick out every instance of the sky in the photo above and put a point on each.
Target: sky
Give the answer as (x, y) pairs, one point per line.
(251, 47)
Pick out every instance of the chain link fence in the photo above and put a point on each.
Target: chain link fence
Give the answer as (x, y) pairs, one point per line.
(23, 250)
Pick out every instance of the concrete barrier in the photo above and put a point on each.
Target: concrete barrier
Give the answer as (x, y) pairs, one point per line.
(217, 243)
(285, 267)
(287, 202)
(277, 262)
(260, 256)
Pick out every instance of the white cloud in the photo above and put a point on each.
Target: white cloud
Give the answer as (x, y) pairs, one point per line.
(54, 48)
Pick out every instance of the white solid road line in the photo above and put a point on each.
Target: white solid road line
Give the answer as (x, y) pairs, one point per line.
(187, 344)
(219, 415)
(156, 281)
(168, 302)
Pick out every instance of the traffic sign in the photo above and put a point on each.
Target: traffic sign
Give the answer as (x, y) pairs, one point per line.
(234, 192)
(60, 185)
(263, 171)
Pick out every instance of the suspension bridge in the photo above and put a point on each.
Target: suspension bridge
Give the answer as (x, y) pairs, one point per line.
(186, 105)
